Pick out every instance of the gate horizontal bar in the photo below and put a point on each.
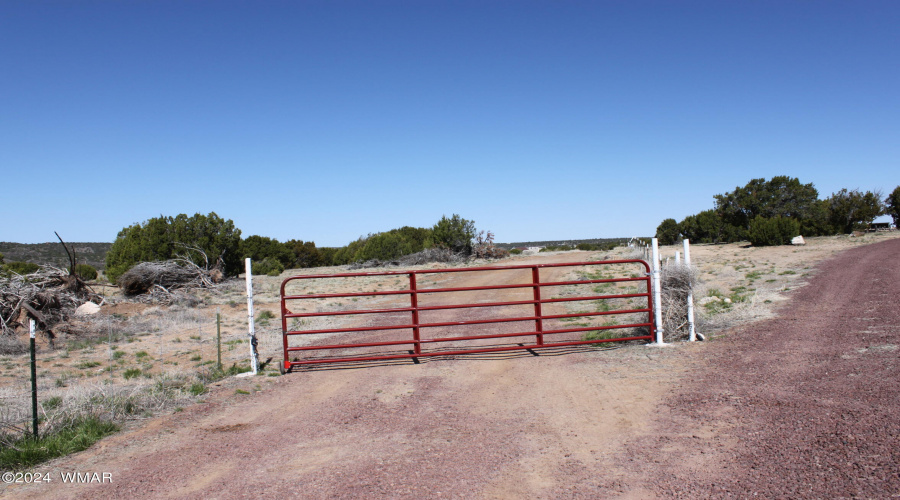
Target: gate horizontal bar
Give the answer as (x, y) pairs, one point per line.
(464, 323)
(459, 289)
(459, 306)
(459, 339)
(461, 352)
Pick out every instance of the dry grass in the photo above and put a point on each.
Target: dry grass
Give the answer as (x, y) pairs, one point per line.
(59, 407)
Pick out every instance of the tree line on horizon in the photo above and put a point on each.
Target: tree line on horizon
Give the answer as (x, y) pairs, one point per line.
(211, 240)
(772, 212)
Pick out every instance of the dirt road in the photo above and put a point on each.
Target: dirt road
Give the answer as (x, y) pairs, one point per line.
(805, 405)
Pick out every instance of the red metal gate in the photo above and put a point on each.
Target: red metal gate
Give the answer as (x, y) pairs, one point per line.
(390, 321)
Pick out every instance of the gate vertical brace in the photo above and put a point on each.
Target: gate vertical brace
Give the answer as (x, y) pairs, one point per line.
(539, 322)
(286, 363)
(414, 302)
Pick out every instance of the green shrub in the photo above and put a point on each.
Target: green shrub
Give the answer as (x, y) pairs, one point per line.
(326, 256)
(269, 266)
(305, 254)
(785, 197)
(892, 205)
(132, 373)
(781, 196)
(86, 272)
(454, 233)
(386, 246)
(668, 232)
(772, 231)
(265, 315)
(21, 267)
(515, 251)
(260, 248)
(854, 209)
(709, 227)
(163, 238)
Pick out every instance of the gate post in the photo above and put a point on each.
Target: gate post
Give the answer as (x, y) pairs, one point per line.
(254, 355)
(690, 297)
(657, 293)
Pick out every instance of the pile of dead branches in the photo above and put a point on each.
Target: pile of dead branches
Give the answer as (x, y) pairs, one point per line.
(160, 281)
(676, 282)
(49, 296)
(485, 248)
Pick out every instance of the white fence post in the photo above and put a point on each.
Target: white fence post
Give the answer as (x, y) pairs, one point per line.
(690, 297)
(657, 293)
(254, 356)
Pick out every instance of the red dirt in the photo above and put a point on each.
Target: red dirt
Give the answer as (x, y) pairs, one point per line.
(804, 405)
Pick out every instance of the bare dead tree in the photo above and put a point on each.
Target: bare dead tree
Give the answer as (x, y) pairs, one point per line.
(72, 259)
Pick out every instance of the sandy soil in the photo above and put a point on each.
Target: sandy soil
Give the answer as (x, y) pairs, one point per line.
(629, 422)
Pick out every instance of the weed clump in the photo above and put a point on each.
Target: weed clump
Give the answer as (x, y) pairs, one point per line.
(265, 315)
(74, 436)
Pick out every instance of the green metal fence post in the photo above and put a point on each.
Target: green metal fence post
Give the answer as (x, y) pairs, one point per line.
(34, 414)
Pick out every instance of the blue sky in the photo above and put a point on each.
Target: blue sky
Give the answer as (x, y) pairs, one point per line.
(539, 120)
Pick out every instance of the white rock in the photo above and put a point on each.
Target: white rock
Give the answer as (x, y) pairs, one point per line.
(87, 309)
(798, 240)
